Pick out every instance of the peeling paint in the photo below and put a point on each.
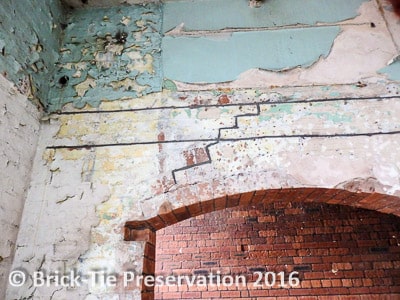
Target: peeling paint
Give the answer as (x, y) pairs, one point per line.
(29, 43)
(392, 71)
(109, 54)
(221, 59)
(129, 158)
(19, 133)
(216, 15)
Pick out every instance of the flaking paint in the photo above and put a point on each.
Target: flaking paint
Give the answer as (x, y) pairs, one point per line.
(392, 70)
(29, 43)
(101, 67)
(222, 58)
(216, 15)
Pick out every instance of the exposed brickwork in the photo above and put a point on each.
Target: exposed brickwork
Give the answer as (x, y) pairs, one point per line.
(337, 250)
(168, 216)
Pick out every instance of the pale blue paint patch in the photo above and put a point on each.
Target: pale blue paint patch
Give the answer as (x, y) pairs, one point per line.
(392, 71)
(218, 14)
(29, 43)
(211, 60)
(188, 112)
(335, 118)
(169, 85)
(99, 65)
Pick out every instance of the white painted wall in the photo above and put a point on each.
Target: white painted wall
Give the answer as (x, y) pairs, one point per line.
(19, 132)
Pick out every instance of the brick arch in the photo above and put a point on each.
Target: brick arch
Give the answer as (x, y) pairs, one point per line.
(145, 230)
(166, 217)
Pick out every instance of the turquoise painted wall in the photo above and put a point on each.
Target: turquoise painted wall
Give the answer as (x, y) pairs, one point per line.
(204, 56)
(219, 59)
(108, 54)
(121, 52)
(29, 42)
(219, 14)
(392, 70)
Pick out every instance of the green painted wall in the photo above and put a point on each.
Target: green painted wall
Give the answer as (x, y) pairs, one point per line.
(120, 52)
(223, 58)
(218, 14)
(29, 43)
(392, 70)
(204, 56)
(108, 54)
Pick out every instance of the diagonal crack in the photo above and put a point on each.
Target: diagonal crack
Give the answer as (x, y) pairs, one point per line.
(207, 148)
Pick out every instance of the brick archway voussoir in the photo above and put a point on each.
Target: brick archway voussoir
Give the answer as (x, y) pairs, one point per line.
(141, 230)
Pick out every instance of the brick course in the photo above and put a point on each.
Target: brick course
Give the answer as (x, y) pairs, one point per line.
(337, 250)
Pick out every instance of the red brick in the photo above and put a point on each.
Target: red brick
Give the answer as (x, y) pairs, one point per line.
(232, 200)
(246, 198)
(220, 203)
(168, 218)
(213, 294)
(208, 206)
(195, 209)
(230, 294)
(335, 239)
(181, 213)
(173, 295)
(190, 295)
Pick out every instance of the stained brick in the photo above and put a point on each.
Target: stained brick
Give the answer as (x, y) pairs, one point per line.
(246, 198)
(195, 209)
(220, 203)
(232, 200)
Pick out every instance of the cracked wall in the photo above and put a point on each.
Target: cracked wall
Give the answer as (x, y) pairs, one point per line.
(97, 172)
(102, 163)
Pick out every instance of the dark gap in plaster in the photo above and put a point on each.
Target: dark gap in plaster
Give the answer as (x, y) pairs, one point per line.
(121, 37)
(63, 81)
(3, 51)
(85, 1)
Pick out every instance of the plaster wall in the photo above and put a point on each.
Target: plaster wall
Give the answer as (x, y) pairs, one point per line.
(103, 160)
(19, 133)
(30, 33)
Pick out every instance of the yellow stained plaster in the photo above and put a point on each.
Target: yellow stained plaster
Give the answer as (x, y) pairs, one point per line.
(108, 165)
(72, 154)
(72, 126)
(140, 63)
(84, 86)
(128, 84)
(48, 155)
